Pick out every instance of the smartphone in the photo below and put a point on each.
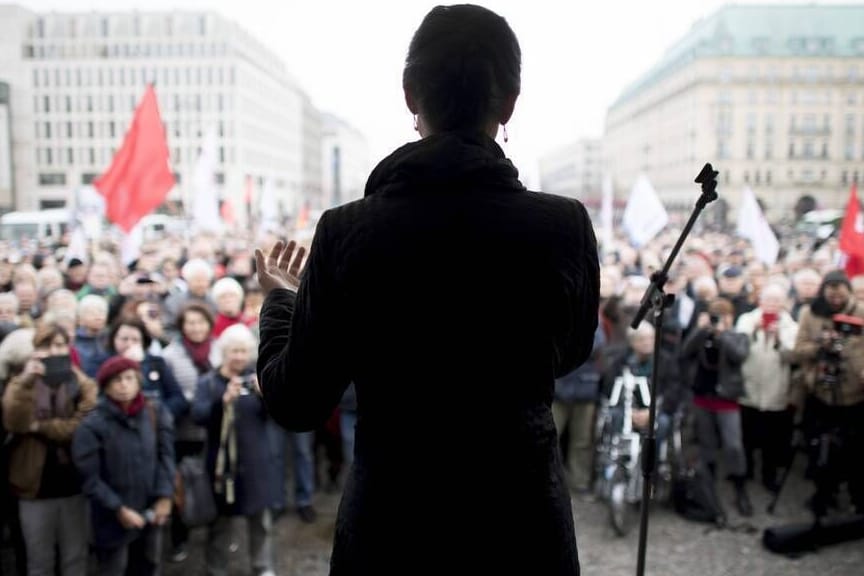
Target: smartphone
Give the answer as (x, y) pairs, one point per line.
(58, 369)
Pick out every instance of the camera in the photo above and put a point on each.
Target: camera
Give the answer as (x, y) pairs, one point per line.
(714, 319)
(247, 384)
(831, 357)
(847, 326)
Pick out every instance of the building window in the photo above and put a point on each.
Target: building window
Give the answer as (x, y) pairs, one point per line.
(46, 104)
(855, 177)
(844, 177)
(850, 151)
(89, 103)
(68, 100)
(726, 177)
(110, 103)
(791, 149)
(807, 175)
(70, 156)
(69, 129)
(88, 177)
(746, 176)
(751, 149)
(111, 128)
(808, 149)
(49, 156)
(769, 151)
(90, 130)
(767, 177)
(47, 131)
(53, 179)
(91, 155)
(757, 177)
(850, 124)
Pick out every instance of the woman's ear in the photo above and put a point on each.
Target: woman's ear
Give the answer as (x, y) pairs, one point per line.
(410, 101)
(507, 109)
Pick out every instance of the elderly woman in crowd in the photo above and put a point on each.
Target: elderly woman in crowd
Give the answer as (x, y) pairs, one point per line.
(190, 357)
(228, 295)
(91, 336)
(8, 308)
(129, 338)
(239, 458)
(42, 407)
(198, 275)
(766, 420)
(126, 433)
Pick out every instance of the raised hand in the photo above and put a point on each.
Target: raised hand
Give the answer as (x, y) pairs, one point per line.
(281, 268)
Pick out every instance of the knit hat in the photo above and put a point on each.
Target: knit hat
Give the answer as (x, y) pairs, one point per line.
(113, 367)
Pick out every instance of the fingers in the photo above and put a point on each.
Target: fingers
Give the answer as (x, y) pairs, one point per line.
(273, 258)
(285, 257)
(294, 269)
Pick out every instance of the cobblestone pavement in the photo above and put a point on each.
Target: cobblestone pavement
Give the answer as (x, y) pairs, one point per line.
(676, 547)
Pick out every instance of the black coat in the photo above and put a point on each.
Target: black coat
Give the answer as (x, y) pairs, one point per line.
(256, 475)
(452, 298)
(123, 461)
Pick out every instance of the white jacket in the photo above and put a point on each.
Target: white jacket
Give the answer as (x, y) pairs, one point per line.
(766, 370)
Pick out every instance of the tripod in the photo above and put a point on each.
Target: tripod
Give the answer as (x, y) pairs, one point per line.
(656, 300)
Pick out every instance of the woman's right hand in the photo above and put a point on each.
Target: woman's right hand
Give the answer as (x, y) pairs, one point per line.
(135, 353)
(34, 368)
(232, 391)
(130, 519)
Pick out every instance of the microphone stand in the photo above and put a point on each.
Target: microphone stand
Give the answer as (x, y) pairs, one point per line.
(656, 300)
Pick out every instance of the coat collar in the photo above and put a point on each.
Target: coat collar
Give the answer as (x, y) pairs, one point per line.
(445, 161)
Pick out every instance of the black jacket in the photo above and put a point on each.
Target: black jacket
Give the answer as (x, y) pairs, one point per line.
(733, 348)
(123, 461)
(452, 298)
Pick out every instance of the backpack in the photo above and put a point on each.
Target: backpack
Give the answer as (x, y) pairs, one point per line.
(694, 497)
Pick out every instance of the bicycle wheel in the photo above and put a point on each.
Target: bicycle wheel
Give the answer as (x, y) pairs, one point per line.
(620, 510)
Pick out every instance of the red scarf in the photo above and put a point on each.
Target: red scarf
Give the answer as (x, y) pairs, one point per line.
(199, 352)
(134, 407)
(224, 322)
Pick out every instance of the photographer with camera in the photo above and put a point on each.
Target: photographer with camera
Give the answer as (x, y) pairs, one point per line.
(714, 354)
(830, 349)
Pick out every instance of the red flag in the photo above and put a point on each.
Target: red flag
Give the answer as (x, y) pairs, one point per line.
(227, 212)
(852, 235)
(139, 177)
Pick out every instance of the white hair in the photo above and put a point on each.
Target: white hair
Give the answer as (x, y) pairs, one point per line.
(15, 350)
(9, 298)
(237, 335)
(644, 329)
(197, 266)
(704, 283)
(93, 303)
(226, 286)
(773, 289)
(806, 274)
(60, 295)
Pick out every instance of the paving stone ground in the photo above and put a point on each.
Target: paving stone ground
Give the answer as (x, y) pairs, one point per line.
(676, 547)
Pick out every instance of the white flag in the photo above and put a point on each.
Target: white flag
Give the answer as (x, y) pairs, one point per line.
(130, 245)
(205, 208)
(644, 215)
(606, 215)
(268, 208)
(753, 225)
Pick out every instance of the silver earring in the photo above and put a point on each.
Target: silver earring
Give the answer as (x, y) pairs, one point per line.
(416, 124)
(506, 137)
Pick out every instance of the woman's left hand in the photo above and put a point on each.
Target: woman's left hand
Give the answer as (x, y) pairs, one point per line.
(281, 268)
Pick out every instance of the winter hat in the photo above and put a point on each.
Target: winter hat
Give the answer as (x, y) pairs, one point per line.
(113, 367)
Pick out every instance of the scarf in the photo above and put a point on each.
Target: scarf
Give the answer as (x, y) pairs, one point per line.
(199, 352)
(134, 407)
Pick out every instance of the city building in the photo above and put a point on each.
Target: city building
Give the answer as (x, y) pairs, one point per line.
(771, 95)
(574, 170)
(345, 161)
(73, 80)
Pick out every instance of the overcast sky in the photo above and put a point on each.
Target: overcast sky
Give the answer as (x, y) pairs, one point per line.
(348, 55)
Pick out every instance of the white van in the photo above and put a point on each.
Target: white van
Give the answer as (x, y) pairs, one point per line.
(42, 225)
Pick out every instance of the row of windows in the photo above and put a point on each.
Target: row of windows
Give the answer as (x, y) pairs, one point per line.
(803, 124)
(806, 73)
(132, 76)
(797, 150)
(805, 175)
(124, 50)
(135, 25)
(178, 103)
(111, 129)
(93, 156)
(794, 97)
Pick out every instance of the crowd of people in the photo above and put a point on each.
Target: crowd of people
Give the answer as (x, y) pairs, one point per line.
(750, 352)
(112, 377)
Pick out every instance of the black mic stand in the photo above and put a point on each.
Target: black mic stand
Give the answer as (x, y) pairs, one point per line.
(658, 301)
